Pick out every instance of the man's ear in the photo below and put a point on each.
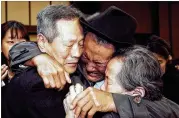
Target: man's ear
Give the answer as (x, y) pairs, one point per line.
(138, 91)
(42, 42)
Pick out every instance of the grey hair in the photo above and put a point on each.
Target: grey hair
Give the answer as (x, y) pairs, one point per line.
(140, 68)
(46, 19)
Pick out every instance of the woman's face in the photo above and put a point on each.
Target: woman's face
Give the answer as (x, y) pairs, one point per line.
(110, 84)
(8, 42)
(162, 62)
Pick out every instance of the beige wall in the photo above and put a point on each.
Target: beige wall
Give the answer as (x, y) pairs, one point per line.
(18, 11)
(33, 37)
(35, 8)
(3, 12)
(24, 11)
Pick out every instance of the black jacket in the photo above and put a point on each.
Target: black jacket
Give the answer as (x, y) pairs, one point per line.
(26, 97)
(171, 82)
(128, 108)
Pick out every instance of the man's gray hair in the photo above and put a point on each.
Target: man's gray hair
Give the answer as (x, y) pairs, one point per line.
(46, 19)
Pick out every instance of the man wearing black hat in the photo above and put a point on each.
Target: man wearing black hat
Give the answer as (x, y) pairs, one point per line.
(108, 32)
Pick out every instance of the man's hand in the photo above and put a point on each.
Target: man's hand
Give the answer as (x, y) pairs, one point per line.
(4, 71)
(74, 90)
(92, 100)
(52, 73)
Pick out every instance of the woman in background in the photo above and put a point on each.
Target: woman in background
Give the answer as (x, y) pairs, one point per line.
(12, 32)
(162, 51)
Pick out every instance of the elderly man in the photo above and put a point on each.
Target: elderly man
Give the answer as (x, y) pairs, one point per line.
(108, 32)
(60, 35)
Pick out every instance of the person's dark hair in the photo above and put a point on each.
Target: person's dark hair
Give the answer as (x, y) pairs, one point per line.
(140, 68)
(159, 46)
(46, 19)
(14, 26)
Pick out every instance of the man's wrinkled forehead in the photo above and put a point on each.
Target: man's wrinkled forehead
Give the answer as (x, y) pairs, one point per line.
(70, 29)
(72, 37)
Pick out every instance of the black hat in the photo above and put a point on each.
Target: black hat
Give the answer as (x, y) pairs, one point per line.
(113, 25)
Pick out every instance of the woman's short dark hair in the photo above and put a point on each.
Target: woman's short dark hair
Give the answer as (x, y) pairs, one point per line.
(159, 46)
(14, 26)
(140, 68)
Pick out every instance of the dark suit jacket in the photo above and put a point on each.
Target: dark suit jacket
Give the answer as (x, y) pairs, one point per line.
(171, 82)
(26, 97)
(128, 108)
